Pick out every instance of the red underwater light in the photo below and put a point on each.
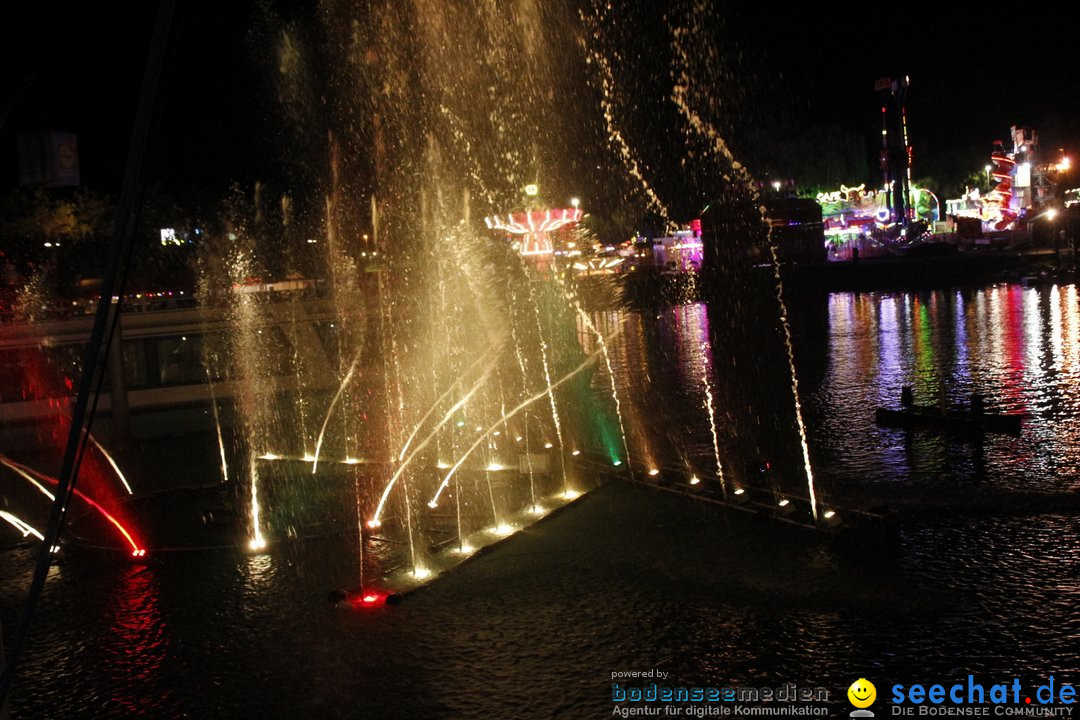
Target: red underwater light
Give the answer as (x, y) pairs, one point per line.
(368, 598)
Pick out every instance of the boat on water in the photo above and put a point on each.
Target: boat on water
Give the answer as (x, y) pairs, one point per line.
(937, 417)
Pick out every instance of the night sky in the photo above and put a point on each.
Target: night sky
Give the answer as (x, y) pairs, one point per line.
(78, 67)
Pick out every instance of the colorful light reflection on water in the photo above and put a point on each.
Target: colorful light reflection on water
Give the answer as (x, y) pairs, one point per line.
(1016, 345)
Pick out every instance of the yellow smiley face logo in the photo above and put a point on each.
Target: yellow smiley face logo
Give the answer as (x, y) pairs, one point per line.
(862, 693)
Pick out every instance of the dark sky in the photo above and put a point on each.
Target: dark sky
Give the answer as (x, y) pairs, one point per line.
(973, 73)
(78, 67)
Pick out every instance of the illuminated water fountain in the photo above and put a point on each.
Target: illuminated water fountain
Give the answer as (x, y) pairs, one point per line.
(447, 396)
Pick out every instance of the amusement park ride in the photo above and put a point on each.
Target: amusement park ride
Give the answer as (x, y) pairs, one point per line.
(1024, 184)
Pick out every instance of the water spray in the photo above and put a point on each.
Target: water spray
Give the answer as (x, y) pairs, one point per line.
(525, 403)
(112, 463)
(330, 411)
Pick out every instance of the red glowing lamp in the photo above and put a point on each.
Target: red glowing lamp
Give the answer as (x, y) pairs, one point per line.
(368, 598)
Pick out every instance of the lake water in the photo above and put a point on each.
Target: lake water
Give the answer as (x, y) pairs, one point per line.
(983, 576)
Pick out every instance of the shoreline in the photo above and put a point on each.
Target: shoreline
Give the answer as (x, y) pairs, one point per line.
(973, 268)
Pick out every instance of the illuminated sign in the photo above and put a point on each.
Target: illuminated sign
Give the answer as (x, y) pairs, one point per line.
(845, 194)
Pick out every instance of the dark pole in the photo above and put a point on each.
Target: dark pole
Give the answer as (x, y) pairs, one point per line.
(883, 87)
(895, 159)
(100, 339)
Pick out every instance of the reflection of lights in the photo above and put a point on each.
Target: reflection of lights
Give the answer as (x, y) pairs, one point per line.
(308, 457)
(421, 573)
(538, 510)
(269, 456)
(494, 467)
(352, 461)
(569, 494)
(502, 530)
(465, 549)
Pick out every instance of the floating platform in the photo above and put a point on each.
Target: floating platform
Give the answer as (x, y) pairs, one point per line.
(973, 421)
(784, 508)
(922, 416)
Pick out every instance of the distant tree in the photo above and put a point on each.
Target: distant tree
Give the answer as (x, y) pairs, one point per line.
(52, 239)
(819, 158)
(39, 216)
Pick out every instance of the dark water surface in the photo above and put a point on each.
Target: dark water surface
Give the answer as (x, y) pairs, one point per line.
(983, 576)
